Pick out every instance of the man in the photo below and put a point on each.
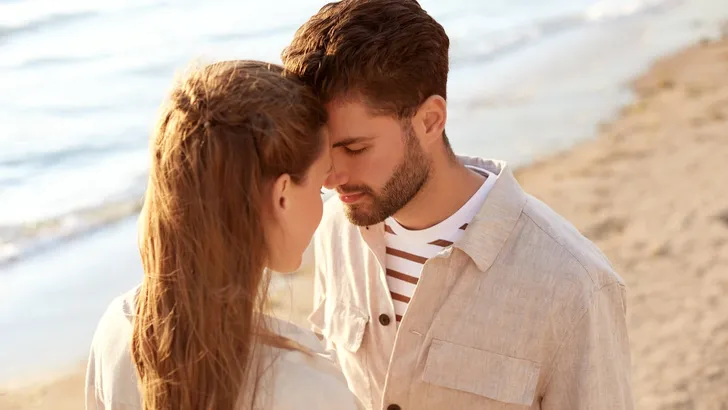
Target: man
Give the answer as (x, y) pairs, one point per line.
(440, 284)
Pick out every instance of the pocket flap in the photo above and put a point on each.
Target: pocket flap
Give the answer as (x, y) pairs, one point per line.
(345, 326)
(498, 377)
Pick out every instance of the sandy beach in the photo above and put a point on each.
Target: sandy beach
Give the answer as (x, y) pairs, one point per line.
(650, 191)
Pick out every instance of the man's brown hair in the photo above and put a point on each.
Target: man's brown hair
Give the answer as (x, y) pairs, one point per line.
(389, 52)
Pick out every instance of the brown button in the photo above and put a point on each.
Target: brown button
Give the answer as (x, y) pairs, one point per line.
(394, 407)
(384, 319)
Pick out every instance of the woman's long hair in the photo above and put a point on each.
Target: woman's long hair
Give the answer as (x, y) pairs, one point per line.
(227, 130)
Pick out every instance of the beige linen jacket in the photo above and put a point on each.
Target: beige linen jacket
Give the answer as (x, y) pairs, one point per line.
(292, 380)
(522, 313)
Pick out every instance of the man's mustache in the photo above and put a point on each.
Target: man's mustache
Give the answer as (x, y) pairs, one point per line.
(351, 189)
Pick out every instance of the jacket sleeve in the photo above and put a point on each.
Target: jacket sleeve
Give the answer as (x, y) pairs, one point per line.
(94, 400)
(591, 370)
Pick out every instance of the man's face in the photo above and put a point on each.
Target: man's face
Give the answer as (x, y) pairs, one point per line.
(378, 162)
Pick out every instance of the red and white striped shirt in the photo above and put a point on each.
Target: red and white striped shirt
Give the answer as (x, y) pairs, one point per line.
(408, 250)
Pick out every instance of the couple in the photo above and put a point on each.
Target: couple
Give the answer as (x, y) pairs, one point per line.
(439, 283)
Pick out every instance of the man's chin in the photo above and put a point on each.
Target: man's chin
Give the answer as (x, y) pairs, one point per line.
(360, 216)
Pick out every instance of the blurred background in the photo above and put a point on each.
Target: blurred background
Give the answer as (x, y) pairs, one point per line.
(615, 112)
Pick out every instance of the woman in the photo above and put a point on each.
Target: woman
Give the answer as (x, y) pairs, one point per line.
(237, 162)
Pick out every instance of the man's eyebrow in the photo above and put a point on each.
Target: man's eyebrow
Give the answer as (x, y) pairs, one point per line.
(351, 140)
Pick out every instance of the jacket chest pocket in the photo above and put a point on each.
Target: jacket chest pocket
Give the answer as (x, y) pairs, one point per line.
(503, 379)
(343, 328)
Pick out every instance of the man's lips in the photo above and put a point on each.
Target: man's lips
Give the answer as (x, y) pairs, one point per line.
(351, 197)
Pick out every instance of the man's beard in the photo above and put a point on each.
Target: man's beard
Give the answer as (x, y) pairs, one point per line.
(406, 181)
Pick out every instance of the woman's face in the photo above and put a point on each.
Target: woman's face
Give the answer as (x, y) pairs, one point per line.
(297, 212)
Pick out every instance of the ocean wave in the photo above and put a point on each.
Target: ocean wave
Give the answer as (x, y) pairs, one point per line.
(22, 240)
(615, 9)
(44, 159)
(56, 61)
(502, 42)
(251, 34)
(44, 22)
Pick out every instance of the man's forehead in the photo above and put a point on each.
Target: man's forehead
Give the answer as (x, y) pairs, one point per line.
(352, 121)
(348, 108)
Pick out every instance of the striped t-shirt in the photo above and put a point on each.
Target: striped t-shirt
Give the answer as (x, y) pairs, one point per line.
(408, 250)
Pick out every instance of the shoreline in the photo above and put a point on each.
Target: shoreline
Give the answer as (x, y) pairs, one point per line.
(647, 191)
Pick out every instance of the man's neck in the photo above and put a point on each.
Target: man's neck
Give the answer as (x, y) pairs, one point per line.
(449, 187)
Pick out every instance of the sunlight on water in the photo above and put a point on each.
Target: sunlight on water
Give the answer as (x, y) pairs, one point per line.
(80, 90)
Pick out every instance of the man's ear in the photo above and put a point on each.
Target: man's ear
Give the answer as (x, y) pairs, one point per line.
(431, 118)
(280, 194)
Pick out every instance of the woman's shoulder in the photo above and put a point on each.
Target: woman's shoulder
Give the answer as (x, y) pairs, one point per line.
(116, 320)
(307, 379)
(300, 335)
(110, 375)
(300, 385)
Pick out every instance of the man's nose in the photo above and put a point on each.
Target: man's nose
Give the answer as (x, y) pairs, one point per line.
(336, 177)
